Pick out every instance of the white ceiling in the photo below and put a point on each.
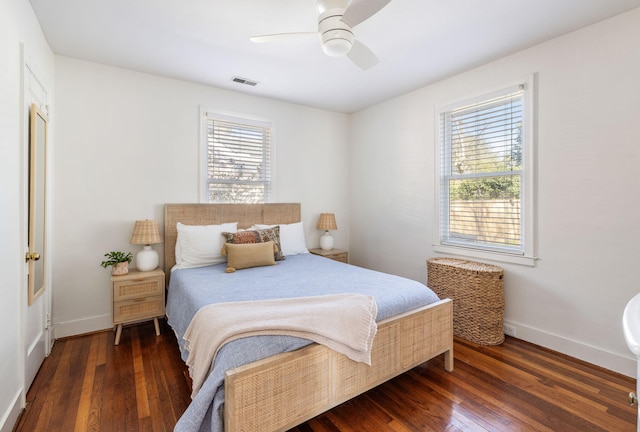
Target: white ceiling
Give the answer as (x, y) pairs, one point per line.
(418, 42)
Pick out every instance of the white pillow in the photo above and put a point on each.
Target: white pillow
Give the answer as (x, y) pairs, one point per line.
(199, 245)
(292, 238)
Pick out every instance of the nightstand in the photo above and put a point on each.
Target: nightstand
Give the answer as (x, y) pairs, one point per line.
(334, 254)
(137, 296)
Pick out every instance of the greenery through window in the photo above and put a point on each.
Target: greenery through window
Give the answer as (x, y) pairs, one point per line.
(481, 173)
(238, 160)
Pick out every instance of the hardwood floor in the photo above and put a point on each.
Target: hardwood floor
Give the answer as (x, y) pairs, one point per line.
(88, 384)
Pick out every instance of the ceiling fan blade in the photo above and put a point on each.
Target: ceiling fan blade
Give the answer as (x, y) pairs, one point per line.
(281, 36)
(362, 10)
(362, 56)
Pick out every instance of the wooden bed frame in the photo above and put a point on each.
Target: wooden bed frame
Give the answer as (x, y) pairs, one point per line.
(282, 391)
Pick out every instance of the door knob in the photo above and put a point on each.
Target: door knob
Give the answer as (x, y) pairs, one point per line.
(33, 256)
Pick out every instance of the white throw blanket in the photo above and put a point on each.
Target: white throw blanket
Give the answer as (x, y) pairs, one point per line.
(343, 322)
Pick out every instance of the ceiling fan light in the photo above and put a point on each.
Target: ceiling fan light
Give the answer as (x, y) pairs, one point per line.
(336, 47)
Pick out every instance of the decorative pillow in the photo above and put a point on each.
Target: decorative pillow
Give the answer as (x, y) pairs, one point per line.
(257, 236)
(242, 256)
(199, 245)
(291, 238)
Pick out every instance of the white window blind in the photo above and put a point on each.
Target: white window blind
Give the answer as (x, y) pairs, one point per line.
(481, 173)
(238, 160)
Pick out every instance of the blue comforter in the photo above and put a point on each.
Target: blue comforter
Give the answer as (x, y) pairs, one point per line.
(297, 276)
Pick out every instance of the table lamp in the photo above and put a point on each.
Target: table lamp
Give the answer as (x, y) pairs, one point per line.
(146, 232)
(327, 222)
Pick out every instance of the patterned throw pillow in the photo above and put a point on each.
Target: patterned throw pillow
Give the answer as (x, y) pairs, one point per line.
(257, 236)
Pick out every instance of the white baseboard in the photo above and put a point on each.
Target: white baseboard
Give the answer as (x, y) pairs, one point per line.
(82, 326)
(621, 363)
(10, 417)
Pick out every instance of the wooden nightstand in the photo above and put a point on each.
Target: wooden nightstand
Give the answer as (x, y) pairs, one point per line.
(334, 254)
(137, 296)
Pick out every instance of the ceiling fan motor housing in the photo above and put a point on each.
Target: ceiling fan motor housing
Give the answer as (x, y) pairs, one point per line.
(337, 36)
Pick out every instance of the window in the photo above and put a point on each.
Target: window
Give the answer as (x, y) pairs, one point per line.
(484, 175)
(238, 160)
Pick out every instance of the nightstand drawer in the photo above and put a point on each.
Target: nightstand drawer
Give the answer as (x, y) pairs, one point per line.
(138, 308)
(137, 288)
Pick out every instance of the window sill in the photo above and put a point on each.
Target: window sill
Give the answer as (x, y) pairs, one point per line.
(528, 261)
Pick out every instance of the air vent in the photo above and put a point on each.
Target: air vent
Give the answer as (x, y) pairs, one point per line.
(244, 81)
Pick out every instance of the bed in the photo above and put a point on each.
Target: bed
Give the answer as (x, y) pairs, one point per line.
(282, 390)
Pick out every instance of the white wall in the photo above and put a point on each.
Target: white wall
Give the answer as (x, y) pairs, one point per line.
(18, 25)
(127, 143)
(588, 154)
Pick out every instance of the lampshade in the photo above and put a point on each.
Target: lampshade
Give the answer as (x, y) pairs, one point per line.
(145, 232)
(327, 222)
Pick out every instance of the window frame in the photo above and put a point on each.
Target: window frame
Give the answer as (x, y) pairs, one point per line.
(209, 114)
(527, 256)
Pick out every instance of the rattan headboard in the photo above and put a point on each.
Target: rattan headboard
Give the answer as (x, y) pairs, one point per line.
(213, 214)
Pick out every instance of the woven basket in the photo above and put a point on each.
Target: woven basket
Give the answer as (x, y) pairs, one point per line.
(477, 291)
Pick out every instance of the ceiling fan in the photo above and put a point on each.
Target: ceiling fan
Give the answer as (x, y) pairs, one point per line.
(336, 19)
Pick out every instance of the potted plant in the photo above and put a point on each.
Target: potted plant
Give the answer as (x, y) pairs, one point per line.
(119, 262)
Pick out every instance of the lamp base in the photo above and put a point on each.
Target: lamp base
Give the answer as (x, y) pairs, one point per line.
(326, 241)
(147, 259)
